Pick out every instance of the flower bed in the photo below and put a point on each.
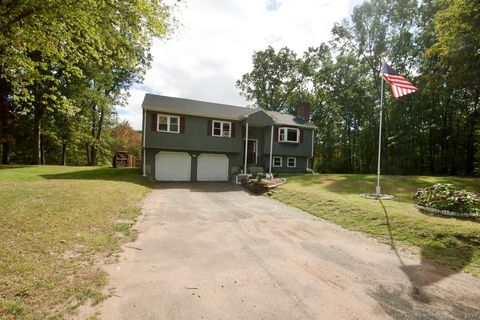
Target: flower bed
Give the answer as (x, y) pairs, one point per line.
(446, 200)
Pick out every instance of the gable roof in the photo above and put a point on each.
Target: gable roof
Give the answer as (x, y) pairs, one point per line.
(158, 103)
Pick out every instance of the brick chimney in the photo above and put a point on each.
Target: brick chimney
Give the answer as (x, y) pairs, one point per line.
(303, 111)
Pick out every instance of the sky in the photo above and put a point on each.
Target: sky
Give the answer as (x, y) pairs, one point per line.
(213, 45)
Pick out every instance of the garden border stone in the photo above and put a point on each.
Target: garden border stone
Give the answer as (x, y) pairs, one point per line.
(447, 212)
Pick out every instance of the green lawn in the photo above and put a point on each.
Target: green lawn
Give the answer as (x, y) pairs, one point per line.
(56, 224)
(448, 241)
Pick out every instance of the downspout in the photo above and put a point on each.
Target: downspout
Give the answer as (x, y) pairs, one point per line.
(144, 151)
(271, 150)
(246, 148)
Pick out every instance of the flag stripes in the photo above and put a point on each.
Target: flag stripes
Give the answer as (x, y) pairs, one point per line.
(400, 86)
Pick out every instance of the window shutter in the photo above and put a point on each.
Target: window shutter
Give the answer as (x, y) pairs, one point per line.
(301, 135)
(182, 124)
(154, 122)
(275, 133)
(232, 130)
(209, 127)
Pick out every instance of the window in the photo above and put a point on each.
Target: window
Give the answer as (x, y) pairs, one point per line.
(168, 123)
(221, 128)
(288, 135)
(277, 161)
(291, 162)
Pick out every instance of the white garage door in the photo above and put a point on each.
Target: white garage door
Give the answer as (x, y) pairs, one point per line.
(172, 166)
(212, 167)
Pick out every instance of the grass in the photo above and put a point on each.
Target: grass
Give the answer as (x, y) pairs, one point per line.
(447, 241)
(56, 225)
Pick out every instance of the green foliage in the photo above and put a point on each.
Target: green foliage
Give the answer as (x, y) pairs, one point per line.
(259, 177)
(66, 64)
(275, 77)
(433, 43)
(447, 197)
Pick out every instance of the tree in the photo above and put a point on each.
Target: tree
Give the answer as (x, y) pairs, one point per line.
(48, 51)
(457, 47)
(274, 78)
(434, 43)
(127, 139)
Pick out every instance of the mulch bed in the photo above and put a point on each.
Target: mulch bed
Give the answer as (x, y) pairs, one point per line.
(262, 186)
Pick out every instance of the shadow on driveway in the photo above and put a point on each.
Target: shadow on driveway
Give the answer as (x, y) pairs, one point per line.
(200, 186)
(421, 276)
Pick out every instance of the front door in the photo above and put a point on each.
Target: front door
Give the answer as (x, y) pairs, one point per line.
(252, 152)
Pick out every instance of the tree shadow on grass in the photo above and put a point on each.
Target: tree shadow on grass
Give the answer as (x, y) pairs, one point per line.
(417, 303)
(421, 275)
(402, 187)
(132, 175)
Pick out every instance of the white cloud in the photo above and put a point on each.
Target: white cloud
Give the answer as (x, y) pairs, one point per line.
(215, 42)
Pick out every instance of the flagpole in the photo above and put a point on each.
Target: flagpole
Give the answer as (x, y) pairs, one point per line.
(377, 189)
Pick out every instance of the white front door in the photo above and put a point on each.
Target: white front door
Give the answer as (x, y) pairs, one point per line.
(212, 167)
(172, 166)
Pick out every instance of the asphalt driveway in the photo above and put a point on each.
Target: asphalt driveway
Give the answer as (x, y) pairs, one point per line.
(213, 251)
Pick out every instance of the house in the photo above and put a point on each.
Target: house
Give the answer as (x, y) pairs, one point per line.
(188, 140)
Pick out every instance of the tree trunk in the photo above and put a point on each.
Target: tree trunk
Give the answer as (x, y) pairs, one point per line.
(471, 144)
(37, 131)
(64, 154)
(5, 152)
(42, 150)
(97, 136)
(5, 120)
(93, 156)
(87, 148)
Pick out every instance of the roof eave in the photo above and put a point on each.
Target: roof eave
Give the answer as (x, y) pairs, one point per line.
(188, 113)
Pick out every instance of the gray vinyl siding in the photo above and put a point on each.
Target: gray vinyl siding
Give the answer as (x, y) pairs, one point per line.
(194, 138)
(259, 119)
(299, 168)
(295, 149)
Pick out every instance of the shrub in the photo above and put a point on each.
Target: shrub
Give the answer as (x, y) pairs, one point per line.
(259, 177)
(446, 197)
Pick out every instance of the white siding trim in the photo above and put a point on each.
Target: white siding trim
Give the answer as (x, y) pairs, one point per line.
(288, 162)
(271, 150)
(143, 143)
(276, 157)
(246, 148)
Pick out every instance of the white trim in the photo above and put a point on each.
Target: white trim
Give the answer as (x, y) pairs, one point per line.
(169, 117)
(224, 117)
(288, 162)
(246, 148)
(143, 143)
(271, 150)
(273, 163)
(221, 129)
(286, 134)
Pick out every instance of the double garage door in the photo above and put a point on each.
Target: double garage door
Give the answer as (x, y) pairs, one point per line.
(176, 166)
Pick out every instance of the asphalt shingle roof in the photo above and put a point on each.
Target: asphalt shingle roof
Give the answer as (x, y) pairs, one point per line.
(159, 103)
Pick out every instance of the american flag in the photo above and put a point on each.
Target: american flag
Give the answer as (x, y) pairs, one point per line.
(400, 85)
